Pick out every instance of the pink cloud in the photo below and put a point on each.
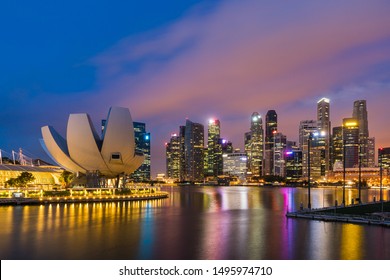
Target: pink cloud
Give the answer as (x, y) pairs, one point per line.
(245, 56)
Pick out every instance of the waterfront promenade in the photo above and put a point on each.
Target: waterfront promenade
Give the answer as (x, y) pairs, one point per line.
(81, 199)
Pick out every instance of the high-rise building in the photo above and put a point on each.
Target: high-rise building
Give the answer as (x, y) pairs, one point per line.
(306, 128)
(235, 165)
(182, 133)
(360, 114)
(227, 146)
(254, 141)
(293, 160)
(384, 159)
(280, 142)
(351, 142)
(214, 149)
(271, 127)
(194, 146)
(324, 127)
(371, 151)
(173, 157)
(142, 144)
(337, 146)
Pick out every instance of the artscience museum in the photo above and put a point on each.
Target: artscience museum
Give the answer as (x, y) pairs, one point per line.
(83, 152)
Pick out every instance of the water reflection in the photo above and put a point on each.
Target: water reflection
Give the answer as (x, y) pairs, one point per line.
(193, 223)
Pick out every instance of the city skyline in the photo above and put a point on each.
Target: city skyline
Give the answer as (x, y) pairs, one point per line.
(195, 60)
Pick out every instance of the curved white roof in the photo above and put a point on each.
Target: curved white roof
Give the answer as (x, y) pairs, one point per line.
(84, 151)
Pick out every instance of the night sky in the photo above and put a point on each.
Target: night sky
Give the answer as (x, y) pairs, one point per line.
(171, 60)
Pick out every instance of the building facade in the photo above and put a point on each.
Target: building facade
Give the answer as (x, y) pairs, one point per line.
(271, 127)
(351, 143)
(193, 151)
(174, 153)
(214, 149)
(254, 141)
(324, 127)
(142, 145)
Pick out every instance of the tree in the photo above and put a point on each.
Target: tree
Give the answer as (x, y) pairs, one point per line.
(25, 178)
(21, 181)
(66, 178)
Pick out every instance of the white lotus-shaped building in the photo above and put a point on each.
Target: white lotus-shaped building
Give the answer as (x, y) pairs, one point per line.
(83, 151)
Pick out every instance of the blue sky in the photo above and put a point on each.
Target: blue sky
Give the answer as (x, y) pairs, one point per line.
(168, 60)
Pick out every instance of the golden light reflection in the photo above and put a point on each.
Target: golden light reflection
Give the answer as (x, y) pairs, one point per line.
(351, 242)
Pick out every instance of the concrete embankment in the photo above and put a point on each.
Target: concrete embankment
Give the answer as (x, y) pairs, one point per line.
(377, 213)
(81, 199)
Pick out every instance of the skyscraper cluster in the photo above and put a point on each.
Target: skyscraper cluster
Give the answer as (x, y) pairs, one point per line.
(268, 152)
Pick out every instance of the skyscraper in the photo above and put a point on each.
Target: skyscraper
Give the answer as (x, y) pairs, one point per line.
(324, 127)
(308, 129)
(351, 134)
(194, 145)
(360, 114)
(142, 144)
(173, 157)
(280, 141)
(214, 149)
(293, 160)
(337, 146)
(254, 145)
(271, 127)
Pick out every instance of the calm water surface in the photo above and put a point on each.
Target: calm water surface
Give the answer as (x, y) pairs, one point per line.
(193, 223)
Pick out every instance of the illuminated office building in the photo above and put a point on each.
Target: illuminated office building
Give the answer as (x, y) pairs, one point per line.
(173, 157)
(351, 142)
(337, 146)
(254, 141)
(324, 127)
(384, 158)
(235, 165)
(214, 149)
(293, 161)
(367, 145)
(280, 143)
(142, 145)
(271, 127)
(193, 151)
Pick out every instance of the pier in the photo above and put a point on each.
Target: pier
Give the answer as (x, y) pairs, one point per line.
(375, 213)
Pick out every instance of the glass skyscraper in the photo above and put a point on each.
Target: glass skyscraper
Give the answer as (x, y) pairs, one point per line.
(142, 144)
(254, 141)
(214, 149)
(271, 127)
(194, 145)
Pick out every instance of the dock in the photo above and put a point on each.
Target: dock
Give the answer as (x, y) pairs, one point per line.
(375, 213)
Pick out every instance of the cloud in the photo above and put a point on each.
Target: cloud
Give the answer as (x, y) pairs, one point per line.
(242, 56)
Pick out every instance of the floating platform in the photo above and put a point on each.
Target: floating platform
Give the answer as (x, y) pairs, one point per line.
(376, 213)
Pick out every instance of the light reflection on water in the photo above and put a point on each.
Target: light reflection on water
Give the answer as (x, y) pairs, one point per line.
(193, 223)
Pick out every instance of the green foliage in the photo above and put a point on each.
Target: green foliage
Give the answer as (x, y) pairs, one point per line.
(66, 178)
(21, 181)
